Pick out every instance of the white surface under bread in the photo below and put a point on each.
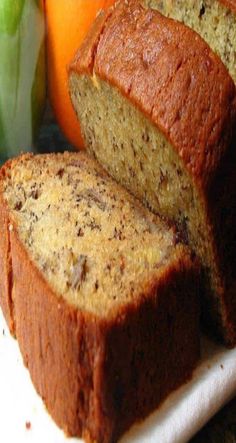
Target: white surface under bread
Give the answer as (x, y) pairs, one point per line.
(179, 418)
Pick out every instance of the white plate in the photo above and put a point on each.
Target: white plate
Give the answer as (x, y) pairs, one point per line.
(178, 419)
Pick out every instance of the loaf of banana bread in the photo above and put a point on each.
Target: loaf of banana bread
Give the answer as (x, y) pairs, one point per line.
(158, 109)
(214, 20)
(99, 292)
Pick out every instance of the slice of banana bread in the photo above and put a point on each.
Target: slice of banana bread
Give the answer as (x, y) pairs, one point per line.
(102, 296)
(214, 20)
(158, 109)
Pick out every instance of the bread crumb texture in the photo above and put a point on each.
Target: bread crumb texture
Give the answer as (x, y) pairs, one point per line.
(93, 242)
(140, 158)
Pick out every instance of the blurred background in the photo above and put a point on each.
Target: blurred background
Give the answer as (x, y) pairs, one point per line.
(38, 40)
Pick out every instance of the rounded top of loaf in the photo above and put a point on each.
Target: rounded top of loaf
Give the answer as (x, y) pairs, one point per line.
(171, 75)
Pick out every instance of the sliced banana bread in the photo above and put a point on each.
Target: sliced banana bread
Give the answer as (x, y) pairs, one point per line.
(214, 20)
(102, 296)
(158, 109)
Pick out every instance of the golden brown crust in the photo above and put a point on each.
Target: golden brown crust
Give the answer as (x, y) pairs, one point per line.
(97, 376)
(170, 73)
(88, 372)
(230, 4)
(5, 258)
(61, 346)
(89, 46)
(5, 266)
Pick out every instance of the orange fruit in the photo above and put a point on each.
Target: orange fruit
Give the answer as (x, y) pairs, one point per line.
(68, 21)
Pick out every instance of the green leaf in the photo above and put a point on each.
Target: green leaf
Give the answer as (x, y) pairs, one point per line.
(38, 94)
(2, 142)
(22, 80)
(10, 15)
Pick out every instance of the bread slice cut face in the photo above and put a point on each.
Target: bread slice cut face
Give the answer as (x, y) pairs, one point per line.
(157, 109)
